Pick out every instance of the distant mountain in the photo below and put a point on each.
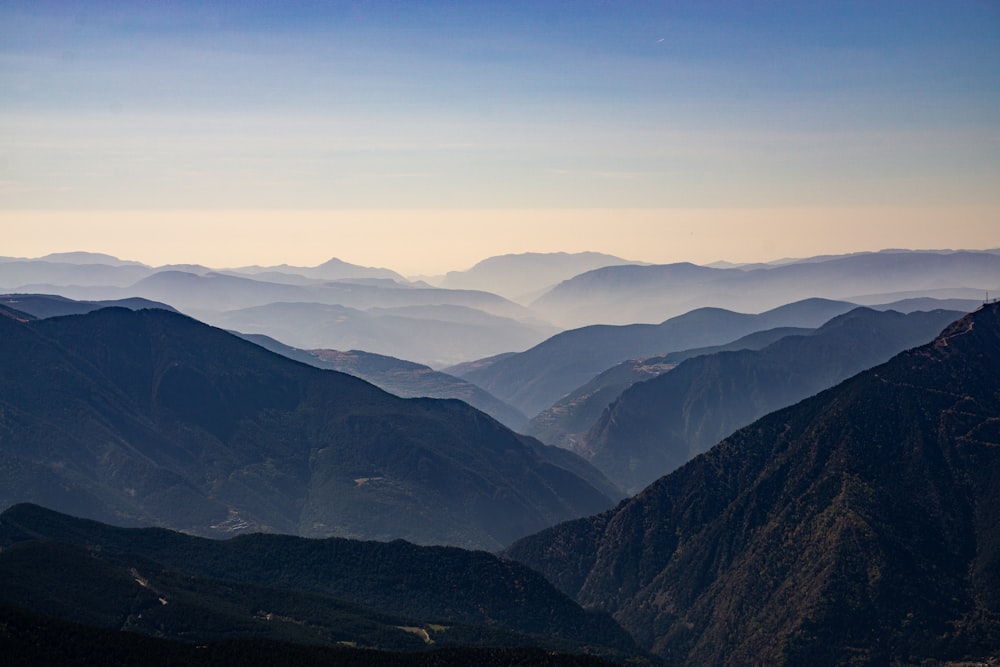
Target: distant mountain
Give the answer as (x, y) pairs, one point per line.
(535, 379)
(88, 258)
(401, 333)
(656, 426)
(149, 417)
(19, 275)
(566, 422)
(399, 377)
(858, 526)
(627, 294)
(394, 595)
(50, 305)
(516, 276)
(333, 269)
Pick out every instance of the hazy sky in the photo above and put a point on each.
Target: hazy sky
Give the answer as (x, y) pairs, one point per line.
(425, 136)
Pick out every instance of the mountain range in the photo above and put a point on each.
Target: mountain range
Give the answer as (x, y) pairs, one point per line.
(858, 526)
(538, 377)
(627, 294)
(525, 276)
(656, 425)
(398, 376)
(566, 422)
(151, 418)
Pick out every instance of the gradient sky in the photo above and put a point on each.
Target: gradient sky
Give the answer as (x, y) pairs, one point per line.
(425, 136)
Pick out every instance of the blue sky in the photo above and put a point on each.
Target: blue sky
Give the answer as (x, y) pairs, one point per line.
(527, 105)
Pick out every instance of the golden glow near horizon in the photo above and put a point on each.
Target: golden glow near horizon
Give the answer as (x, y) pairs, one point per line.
(430, 242)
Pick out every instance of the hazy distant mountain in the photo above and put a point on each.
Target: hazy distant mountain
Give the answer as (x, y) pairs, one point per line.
(88, 258)
(20, 275)
(151, 417)
(626, 294)
(428, 340)
(856, 527)
(50, 305)
(535, 379)
(565, 423)
(393, 595)
(656, 426)
(399, 377)
(333, 269)
(515, 276)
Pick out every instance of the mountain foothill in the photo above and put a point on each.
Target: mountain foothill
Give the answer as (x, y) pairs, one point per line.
(313, 462)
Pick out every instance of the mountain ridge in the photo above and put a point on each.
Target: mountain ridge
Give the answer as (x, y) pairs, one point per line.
(857, 526)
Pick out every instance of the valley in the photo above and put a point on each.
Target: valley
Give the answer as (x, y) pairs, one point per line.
(637, 480)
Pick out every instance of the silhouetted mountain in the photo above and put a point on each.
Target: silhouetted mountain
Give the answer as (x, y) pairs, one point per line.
(858, 526)
(535, 379)
(399, 377)
(625, 294)
(32, 639)
(50, 305)
(515, 276)
(568, 420)
(655, 426)
(402, 334)
(383, 595)
(152, 417)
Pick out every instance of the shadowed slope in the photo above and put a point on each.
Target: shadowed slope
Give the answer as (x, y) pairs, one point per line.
(859, 525)
(152, 417)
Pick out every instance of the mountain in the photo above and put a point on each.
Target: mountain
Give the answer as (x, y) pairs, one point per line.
(419, 334)
(32, 639)
(16, 275)
(332, 269)
(393, 595)
(626, 294)
(655, 426)
(519, 275)
(50, 305)
(567, 421)
(538, 377)
(858, 526)
(150, 417)
(399, 377)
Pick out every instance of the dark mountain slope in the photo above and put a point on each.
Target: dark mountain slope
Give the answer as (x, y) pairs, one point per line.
(567, 421)
(856, 527)
(655, 426)
(536, 378)
(152, 417)
(50, 305)
(155, 581)
(31, 639)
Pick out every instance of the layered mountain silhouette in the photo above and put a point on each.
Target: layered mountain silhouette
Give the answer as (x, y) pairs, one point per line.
(434, 335)
(858, 526)
(398, 376)
(655, 426)
(567, 421)
(525, 275)
(625, 294)
(150, 417)
(333, 591)
(538, 377)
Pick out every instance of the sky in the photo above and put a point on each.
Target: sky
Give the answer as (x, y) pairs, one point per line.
(425, 136)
